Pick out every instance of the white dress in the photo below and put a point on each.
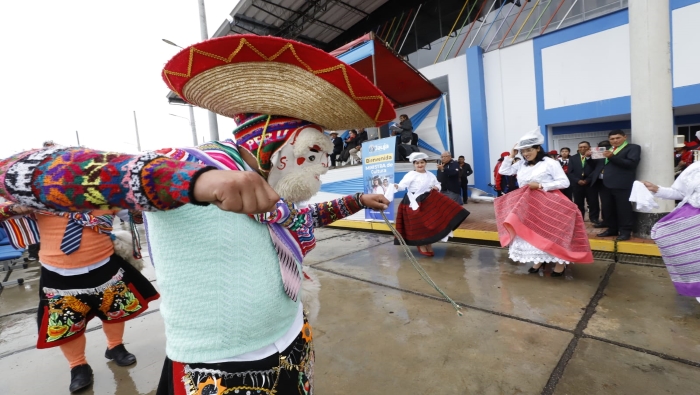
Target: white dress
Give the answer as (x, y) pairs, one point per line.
(550, 174)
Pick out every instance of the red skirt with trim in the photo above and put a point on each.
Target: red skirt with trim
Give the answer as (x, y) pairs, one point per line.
(436, 217)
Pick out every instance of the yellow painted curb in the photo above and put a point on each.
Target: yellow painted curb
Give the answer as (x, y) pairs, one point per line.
(602, 245)
(476, 234)
(467, 234)
(638, 248)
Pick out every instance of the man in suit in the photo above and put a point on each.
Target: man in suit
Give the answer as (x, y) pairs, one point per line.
(465, 170)
(337, 148)
(584, 182)
(619, 170)
(448, 176)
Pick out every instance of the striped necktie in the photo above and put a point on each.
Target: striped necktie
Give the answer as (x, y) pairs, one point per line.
(72, 237)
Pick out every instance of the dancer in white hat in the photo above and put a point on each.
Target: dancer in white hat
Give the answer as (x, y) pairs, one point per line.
(425, 216)
(536, 221)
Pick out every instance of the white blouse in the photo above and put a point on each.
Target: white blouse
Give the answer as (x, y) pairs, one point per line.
(418, 183)
(685, 188)
(547, 172)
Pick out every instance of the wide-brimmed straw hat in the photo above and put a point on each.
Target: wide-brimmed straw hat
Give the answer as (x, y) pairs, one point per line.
(270, 75)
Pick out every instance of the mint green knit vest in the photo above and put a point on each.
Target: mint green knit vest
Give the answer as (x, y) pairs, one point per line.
(220, 283)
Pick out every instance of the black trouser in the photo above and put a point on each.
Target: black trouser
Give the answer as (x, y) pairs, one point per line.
(568, 192)
(587, 194)
(333, 157)
(617, 209)
(33, 250)
(464, 186)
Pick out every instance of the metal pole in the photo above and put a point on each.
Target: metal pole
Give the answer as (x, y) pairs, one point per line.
(522, 8)
(213, 123)
(77, 136)
(567, 14)
(192, 125)
(482, 23)
(524, 23)
(538, 19)
(500, 26)
(459, 32)
(451, 30)
(138, 140)
(492, 23)
(409, 28)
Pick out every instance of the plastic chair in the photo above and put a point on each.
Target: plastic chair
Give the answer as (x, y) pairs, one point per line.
(9, 257)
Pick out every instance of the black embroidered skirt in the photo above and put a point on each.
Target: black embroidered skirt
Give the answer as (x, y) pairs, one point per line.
(114, 292)
(436, 217)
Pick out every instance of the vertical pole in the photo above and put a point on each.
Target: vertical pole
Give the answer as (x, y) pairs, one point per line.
(652, 98)
(192, 125)
(138, 140)
(77, 136)
(213, 123)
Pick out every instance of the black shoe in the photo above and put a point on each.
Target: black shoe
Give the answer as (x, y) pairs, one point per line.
(600, 225)
(80, 377)
(624, 236)
(607, 233)
(595, 222)
(120, 356)
(532, 270)
(555, 274)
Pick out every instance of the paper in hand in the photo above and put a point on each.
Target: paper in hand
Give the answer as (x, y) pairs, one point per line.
(389, 193)
(597, 152)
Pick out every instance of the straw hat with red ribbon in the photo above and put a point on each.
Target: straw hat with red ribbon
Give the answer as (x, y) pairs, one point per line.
(269, 75)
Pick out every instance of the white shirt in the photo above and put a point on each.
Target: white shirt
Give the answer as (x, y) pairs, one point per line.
(547, 172)
(685, 188)
(418, 183)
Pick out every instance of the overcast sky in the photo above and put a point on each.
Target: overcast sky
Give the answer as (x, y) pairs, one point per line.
(87, 65)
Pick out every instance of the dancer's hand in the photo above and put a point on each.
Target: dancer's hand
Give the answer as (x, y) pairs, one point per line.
(374, 201)
(535, 185)
(242, 192)
(19, 209)
(514, 152)
(651, 187)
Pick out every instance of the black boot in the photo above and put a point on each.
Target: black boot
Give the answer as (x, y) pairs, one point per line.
(80, 377)
(120, 356)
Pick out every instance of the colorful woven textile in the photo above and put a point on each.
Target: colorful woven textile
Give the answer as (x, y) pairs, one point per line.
(22, 231)
(547, 220)
(277, 131)
(74, 179)
(676, 235)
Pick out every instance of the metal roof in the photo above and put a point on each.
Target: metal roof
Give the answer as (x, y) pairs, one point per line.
(315, 22)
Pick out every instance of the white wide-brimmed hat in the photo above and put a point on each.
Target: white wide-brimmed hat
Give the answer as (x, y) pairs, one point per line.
(417, 156)
(533, 137)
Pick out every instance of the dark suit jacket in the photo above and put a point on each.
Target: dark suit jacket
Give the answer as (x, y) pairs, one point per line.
(337, 145)
(465, 172)
(621, 170)
(449, 178)
(576, 172)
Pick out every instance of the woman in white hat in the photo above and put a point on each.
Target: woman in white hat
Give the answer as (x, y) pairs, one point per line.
(425, 215)
(536, 220)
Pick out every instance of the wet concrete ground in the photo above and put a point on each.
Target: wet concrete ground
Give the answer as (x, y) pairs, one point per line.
(615, 328)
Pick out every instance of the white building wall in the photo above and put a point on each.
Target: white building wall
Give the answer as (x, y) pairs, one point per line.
(458, 100)
(587, 69)
(685, 46)
(511, 98)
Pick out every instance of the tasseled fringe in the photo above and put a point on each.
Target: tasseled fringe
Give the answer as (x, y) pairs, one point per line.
(87, 291)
